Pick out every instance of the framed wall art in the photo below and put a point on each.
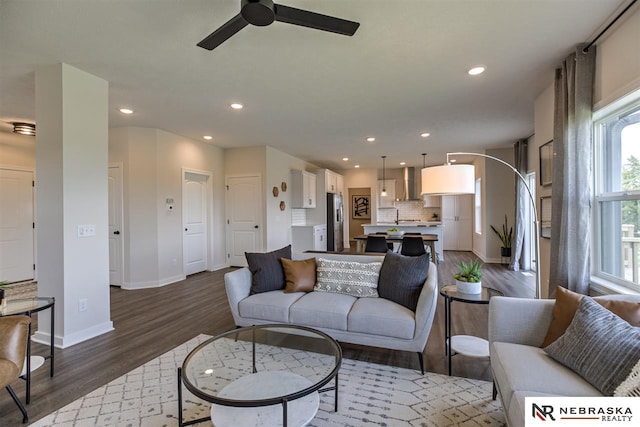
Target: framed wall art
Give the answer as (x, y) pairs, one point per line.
(546, 164)
(360, 207)
(545, 217)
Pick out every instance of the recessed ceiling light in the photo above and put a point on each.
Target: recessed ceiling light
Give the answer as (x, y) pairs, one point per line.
(403, 163)
(346, 159)
(237, 106)
(474, 71)
(356, 166)
(371, 139)
(425, 134)
(126, 111)
(452, 161)
(208, 137)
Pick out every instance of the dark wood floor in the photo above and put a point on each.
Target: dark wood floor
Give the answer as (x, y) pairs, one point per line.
(150, 322)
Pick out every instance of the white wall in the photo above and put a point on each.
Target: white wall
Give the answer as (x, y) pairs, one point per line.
(153, 161)
(17, 150)
(500, 199)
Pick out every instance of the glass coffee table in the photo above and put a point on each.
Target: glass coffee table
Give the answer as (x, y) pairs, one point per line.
(264, 375)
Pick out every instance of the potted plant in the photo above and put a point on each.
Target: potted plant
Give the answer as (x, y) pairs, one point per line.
(468, 278)
(505, 236)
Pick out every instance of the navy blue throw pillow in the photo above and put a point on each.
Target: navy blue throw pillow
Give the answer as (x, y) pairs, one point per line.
(402, 277)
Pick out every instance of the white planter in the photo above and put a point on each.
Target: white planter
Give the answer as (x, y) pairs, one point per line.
(468, 287)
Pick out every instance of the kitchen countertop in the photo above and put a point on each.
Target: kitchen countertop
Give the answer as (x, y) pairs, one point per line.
(406, 224)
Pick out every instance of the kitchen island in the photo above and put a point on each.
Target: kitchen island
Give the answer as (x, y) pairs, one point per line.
(426, 227)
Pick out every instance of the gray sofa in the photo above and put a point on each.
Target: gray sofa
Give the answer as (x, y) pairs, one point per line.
(375, 322)
(517, 328)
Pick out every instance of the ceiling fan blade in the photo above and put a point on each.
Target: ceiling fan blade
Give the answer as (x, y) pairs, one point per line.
(220, 35)
(304, 18)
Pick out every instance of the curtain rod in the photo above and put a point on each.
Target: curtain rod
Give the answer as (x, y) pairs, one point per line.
(586, 49)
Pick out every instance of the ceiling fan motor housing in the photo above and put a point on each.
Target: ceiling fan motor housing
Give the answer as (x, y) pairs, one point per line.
(258, 12)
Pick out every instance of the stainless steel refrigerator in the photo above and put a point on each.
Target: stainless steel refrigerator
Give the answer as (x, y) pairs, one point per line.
(334, 222)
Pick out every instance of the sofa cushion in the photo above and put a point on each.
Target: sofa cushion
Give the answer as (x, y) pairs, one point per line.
(518, 367)
(322, 310)
(266, 270)
(599, 346)
(567, 303)
(348, 277)
(379, 316)
(402, 278)
(273, 306)
(300, 276)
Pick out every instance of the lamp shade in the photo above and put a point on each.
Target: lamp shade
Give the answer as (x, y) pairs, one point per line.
(448, 180)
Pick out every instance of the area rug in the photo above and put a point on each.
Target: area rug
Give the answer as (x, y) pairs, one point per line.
(370, 394)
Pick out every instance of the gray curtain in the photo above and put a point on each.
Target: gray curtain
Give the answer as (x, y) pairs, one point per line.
(522, 198)
(571, 187)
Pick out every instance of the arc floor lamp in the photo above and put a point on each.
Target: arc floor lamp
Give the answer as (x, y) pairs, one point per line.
(456, 179)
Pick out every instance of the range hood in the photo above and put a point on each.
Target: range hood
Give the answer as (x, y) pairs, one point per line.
(410, 189)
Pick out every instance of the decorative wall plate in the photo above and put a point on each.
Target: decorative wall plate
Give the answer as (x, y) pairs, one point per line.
(282, 205)
(275, 191)
(283, 186)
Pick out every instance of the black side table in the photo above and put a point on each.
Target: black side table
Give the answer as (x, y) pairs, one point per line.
(464, 344)
(27, 307)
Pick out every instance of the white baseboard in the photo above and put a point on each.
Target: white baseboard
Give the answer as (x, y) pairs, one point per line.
(75, 338)
(218, 267)
(152, 283)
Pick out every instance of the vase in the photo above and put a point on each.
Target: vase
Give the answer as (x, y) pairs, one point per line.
(468, 287)
(505, 252)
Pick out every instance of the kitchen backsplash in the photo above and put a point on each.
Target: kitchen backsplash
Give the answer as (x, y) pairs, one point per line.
(298, 217)
(408, 210)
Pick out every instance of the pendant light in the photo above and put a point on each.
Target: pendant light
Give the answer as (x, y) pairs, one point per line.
(384, 189)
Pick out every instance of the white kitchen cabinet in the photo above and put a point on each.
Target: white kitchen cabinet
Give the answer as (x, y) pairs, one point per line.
(340, 180)
(431, 201)
(303, 189)
(457, 220)
(309, 238)
(387, 201)
(331, 182)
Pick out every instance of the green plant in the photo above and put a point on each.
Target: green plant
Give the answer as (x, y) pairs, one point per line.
(504, 236)
(469, 271)
(3, 283)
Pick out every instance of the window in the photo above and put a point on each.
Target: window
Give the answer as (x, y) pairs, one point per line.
(616, 211)
(478, 206)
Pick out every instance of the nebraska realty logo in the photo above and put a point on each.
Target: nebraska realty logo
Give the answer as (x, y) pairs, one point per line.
(582, 411)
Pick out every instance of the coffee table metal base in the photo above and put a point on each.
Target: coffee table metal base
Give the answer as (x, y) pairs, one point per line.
(297, 412)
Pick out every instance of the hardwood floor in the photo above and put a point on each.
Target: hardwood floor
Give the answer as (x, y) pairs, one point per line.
(150, 322)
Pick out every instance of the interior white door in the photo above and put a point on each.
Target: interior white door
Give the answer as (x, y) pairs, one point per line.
(457, 220)
(195, 222)
(16, 225)
(244, 217)
(115, 226)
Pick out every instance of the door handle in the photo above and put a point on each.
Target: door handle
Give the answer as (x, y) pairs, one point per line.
(116, 232)
(255, 226)
(186, 229)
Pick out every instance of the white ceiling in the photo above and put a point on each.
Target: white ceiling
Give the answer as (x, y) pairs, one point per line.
(313, 94)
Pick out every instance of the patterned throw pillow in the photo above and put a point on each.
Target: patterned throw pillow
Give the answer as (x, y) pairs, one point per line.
(348, 277)
(599, 346)
(630, 387)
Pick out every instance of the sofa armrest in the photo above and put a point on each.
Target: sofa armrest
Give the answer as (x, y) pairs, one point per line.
(238, 286)
(426, 308)
(519, 320)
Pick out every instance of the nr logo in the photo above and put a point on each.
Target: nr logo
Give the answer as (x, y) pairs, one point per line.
(543, 412)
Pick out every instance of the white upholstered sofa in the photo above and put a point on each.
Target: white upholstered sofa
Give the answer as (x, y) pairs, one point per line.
(375, 322)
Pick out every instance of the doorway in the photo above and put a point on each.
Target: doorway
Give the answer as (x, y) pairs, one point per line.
(359, 211)
(116, 213)
(244, 217)
(17, 226)
(196, 201)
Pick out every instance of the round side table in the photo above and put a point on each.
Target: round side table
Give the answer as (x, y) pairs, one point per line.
(466, 345)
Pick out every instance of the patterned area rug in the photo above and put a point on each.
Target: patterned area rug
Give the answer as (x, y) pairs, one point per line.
(370, 394)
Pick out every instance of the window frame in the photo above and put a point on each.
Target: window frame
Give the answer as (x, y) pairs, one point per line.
(604, 281)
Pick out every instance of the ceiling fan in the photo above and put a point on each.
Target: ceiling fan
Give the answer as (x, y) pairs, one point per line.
(264, 12)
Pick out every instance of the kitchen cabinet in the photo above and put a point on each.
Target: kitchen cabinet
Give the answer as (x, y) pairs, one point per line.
(431, 201)
(303, 189)
(457, 219)
(340, 180)
(387, 201)
(331, 182)
(309, 238)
